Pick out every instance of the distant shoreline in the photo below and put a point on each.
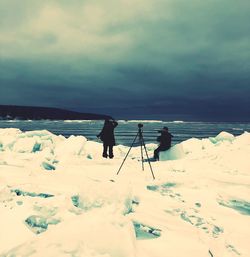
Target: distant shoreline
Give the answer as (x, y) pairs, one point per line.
(13, 112)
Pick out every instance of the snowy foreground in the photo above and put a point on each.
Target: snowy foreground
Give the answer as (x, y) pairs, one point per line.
(59, 197)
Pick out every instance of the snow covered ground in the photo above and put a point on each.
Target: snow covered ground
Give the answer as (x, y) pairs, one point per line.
(59, 197)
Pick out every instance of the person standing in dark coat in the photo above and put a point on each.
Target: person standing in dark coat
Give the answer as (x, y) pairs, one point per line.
(164, 142)
(108, 138)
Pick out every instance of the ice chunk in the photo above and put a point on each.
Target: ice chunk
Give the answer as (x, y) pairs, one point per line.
(224, 136)
(32, 194)
(145, 232)
(90, 198)
(192, 145)
(239, 205)
(39, 224)
(71, 146)
(174, 153)
(8, 137)
(26, 145)
(48, 166)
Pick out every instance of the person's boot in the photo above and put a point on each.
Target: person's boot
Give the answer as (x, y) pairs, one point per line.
(104, 155)
(111, 155)
(156, 156)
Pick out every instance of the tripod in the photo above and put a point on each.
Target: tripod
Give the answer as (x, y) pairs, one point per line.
(142, 144)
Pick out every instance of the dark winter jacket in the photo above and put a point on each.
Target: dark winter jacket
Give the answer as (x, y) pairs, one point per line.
(107, 133)
(165, 140)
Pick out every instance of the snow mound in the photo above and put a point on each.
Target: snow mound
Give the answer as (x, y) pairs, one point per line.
(242, 140)
(61, 198)
(192, 145)
(87, 235)
(92, 150)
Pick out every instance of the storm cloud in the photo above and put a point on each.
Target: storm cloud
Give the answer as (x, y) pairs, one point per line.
(169, 59)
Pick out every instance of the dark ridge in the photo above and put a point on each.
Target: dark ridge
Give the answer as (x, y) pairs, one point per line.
(11, 112)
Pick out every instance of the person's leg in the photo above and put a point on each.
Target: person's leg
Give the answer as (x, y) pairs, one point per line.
(105, 149)
(158, 150)
(111, 155)
(156, 154)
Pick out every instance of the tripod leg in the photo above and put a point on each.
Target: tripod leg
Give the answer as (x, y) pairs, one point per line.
(142, 159)
(127, 153)
(148, 158)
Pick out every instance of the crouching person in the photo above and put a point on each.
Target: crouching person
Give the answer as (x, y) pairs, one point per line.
(164, 142)
(108, 138)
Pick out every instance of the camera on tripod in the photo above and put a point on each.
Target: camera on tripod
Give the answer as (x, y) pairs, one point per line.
(140, 125)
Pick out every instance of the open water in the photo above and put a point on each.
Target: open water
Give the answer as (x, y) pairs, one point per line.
(127, 130)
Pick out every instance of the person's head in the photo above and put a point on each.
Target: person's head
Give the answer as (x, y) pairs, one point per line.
(163, 130)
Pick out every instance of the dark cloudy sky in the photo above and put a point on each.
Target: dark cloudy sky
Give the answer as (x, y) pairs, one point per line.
(159, 59)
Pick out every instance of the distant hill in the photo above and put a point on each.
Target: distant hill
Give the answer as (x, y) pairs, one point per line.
(41, 113)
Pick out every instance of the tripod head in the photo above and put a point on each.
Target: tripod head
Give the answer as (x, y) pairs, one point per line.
(140, 126)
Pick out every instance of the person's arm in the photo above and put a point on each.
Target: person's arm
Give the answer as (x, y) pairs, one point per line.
(115, 123)
(101, 133)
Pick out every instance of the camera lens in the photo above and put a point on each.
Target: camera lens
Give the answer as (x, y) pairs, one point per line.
(140, 125)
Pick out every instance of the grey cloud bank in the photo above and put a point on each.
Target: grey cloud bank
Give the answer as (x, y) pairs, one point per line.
(158, 59)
